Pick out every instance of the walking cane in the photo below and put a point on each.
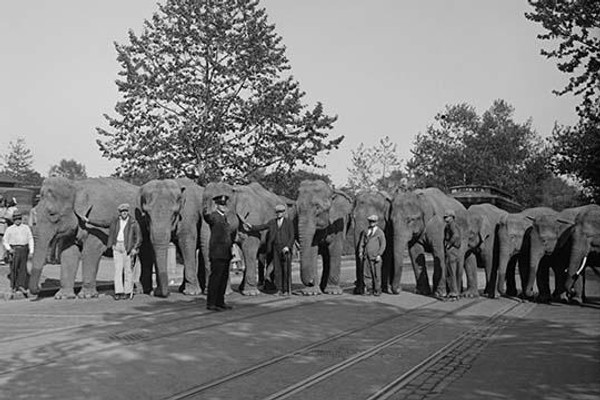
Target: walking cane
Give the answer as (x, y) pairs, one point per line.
(288, 266)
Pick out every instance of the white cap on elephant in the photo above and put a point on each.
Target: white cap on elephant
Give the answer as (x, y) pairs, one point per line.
(373, 218)
(449, 213)
(123, 207)
(280, 208)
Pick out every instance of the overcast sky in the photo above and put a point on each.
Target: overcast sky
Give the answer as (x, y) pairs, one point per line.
(385, 67)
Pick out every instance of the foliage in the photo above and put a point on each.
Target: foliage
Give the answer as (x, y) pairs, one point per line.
(376, 167)
(577, 152)
(287, 183)
(466, 149)
(206, 83)
(70, 169)
(558, 194)
(574, 26)
(18, 163)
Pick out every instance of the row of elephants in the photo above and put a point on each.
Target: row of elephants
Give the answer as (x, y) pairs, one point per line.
(171, 211)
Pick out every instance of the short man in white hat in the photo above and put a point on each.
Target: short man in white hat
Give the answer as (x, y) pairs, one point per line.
(280, 241)
(452, 241)
(125, 238)
(18, 242)
(370, 250)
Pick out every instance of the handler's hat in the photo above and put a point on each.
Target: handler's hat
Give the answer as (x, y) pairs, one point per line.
(123, 207)
(280, 208)
(373, 218)
(449, 213)
(221, 199)
(17, 215)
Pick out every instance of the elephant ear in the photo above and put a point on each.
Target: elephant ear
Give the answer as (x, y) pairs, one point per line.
(341, 206)
(426, 206)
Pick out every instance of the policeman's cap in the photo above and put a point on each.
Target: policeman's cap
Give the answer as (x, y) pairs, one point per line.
(221, 199)
(373, 218)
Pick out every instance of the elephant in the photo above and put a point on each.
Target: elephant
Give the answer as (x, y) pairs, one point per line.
(171, 211)
(250, 203)
(367, 203)
(483, 228)
(62, 237)
(418, 225)
(323, 220)
(514, 242)
(551, 244)
(585, 243)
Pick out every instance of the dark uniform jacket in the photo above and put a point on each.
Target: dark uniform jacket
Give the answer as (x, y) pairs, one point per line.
(222, 236)
(372, 246)
(278, 237)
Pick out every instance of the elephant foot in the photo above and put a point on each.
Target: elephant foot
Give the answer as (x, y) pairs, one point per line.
(159, 293)
(250, 292)
(576, 300)
(510, 293)
(310, 291)
(423, 292)
(87, 293)
(470, 293)
(192, 292)
(358, 291)
(395, 290)
(65, 294)
(228, 291)
(333, 289)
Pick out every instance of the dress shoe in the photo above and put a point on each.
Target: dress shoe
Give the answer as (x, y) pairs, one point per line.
(118, 296)
(214, 308)
(377, 293)
(128, 296)
(225, 307)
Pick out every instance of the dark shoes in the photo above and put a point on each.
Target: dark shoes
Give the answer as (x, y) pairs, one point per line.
(222, 307)
(214, 308)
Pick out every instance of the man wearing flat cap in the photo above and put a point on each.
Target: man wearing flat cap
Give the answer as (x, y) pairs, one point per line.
(452, 239)
(280, 241)
(222, 236)
(370, 250)
(18, 242)
(125, 238)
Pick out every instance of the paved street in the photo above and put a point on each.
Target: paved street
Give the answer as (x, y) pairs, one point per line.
(323, 347)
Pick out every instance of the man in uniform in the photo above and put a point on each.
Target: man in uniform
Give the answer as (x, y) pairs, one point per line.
(452, 239)
(18, 242)
(371, 248)
(280, 240)
(222, 235)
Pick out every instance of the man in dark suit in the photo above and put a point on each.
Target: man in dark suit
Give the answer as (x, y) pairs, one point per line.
(222, 235)
(280, 241)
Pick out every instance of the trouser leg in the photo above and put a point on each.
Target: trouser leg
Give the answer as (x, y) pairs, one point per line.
(277, 270)
(20, 266)
(118, 253)
(368, 275)
(451, 270)
(127, 274)
(213, 282)
(222, 285)
(287, 274)
(376, 273)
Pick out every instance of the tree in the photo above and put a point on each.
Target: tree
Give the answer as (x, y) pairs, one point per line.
(18, 163)
(372, 167)
(573, 25)
(70, 169)
(287, 183)
(463, 148)
(207, 83)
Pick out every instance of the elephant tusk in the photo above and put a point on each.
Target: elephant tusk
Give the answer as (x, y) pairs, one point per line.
(582, 266)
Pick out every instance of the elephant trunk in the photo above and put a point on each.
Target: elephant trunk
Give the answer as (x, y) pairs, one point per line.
(42, 242)
(535, 257)
(160, 243)
(579, 249)
(503, 258)
(308, 251)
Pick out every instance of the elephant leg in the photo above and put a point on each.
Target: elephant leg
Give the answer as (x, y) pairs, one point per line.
(190, 266)
(69, 262)
(487, 256)
(146, 256)
(471, 272)
(334, 265)
(543, 281)
(90, 263)
(511, 282)
(417, 258)
(439, 273)
(250, 248)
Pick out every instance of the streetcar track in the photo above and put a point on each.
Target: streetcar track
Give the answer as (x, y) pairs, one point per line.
(194, 391)
(141, 335)
(405, 379)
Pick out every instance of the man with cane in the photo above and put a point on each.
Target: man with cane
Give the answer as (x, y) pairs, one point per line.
(371, 248)
(280, 241)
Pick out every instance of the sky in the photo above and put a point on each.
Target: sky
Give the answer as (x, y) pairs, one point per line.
(384, 67)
